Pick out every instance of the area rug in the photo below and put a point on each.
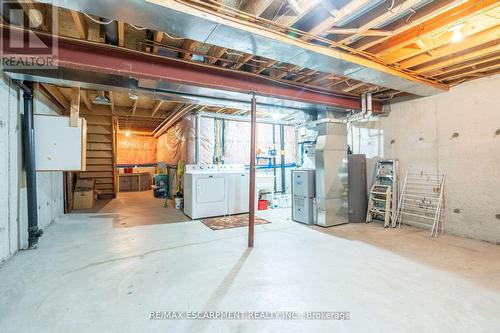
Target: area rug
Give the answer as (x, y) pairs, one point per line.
(229, 222)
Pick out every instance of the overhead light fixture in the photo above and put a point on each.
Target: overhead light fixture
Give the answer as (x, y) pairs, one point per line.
(132, 96)
(127, 134)
(101, 99)
(457, 35)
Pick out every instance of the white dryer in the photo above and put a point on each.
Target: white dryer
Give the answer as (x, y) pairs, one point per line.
(211, 190)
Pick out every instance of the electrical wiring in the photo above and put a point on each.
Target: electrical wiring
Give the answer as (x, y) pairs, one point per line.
(235, 54)
(413, 12)
(172, 37)
(279, 10)
(137, 28)
(279, 67)
(391, 6)
(166, 34)
(97, 21)
(261, 61)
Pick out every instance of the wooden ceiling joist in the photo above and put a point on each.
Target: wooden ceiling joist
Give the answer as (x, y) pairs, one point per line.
(189, 45)
(156, 107)
(475, 32)
(46, 17)
(121, 33)
(408, 22)
(452, 60)
(474, 70)
(468, 43)
(448, 18)
(81, 24)
(112, 99)
(134, 107)
(86, 100)
(494, 58)
(57, 95)
(158, 37)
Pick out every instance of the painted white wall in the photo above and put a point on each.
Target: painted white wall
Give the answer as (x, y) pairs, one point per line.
(10, 163)
(420, 133)
(13, 200)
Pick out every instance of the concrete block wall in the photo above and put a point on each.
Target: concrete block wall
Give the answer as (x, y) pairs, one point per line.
(13, 199)
(458, 133)
(10, 164)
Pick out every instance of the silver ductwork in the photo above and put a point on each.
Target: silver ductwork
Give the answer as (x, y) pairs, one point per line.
(331, 174)
(185, 21)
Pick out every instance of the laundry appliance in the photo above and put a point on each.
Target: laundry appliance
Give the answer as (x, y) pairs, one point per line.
(215, 190)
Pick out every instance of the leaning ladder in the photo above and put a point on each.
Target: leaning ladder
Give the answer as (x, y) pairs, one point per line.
(421, 201)
(380, 204)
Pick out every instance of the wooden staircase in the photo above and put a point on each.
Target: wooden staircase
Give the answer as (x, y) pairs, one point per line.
(101, 155)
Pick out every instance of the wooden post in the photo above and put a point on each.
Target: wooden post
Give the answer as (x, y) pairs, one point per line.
(251, 215)
(75, 107)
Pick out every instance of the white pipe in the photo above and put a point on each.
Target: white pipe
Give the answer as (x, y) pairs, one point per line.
(365, 113)
(234, 117)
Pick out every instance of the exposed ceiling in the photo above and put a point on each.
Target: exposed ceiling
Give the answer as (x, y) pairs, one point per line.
(447, 41)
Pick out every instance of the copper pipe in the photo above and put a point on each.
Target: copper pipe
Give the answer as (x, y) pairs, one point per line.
(251, 214)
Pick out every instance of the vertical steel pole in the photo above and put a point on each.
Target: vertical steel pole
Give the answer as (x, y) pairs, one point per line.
(251, 215)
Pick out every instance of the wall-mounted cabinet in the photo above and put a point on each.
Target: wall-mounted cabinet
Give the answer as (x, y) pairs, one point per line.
(59, 147)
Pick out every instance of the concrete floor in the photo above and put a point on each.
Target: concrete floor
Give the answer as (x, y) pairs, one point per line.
(93, 274)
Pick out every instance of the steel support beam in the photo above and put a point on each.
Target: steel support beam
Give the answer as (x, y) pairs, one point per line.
(87, 56)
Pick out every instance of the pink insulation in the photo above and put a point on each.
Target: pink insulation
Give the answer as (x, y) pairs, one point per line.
(135, 149)
(178, 142)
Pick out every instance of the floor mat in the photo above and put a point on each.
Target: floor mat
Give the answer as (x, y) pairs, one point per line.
(229, 222)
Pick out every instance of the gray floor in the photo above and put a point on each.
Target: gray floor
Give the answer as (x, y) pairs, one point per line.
(91, 274)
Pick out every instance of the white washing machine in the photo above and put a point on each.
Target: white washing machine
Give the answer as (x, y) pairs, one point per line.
(211, 190)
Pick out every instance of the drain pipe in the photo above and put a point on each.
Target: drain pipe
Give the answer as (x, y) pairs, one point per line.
(29, 158)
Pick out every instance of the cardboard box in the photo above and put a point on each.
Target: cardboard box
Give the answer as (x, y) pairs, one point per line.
(83, 194)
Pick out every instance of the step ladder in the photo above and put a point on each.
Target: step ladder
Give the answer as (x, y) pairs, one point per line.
(387, 174)
(380, 204)
(421, 201)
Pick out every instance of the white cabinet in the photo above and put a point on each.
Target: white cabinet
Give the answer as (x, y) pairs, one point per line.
(238, 190)
(59, 147)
